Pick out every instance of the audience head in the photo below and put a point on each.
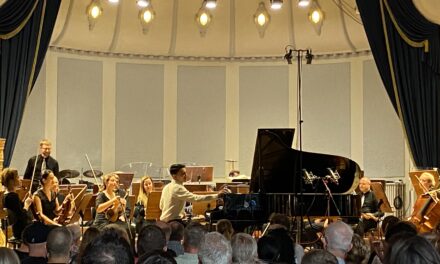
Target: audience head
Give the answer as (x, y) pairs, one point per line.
(118, 230)
(215, 249)
(9, 178)
(244, 248)
(108, 248)
(193, 237)
(388, 222)
(59, 242)
(35, 236)
(8, 256)
(156, 257)
(337, 238)
(280, 220)
(165, 228)
(224, 227)
(360, 251)
(90, 234)
(151, 238)
(75, 230)
(176, 231)
(319, 256)
(412, 250)
(269, 249)
(400, 227)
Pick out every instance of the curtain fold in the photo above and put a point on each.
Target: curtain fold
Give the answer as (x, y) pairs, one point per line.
(21, 57)
(406, 49)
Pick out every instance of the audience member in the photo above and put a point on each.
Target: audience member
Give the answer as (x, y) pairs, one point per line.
(151, 238)
(8, 256)
(35, 236)
(176, 237)
(193, 237)
(75, 230)
(215, 249)
(90, 234)
(59, 242)
(244, 249)
(165, 228)
(360, 251)
(156, 257)
(337, 240)
(269, 249)
(319, 256)
(23, 250)
(108, 248)
(224, 227)
(412, 250)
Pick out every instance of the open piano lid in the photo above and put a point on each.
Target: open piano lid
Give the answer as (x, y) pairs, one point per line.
(276, 166)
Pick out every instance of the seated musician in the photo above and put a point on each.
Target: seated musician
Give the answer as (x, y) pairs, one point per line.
(110, 207)
(427, 181)
(56, 189)
(175, 195)
(146, 187)
(45, 199)
(370, 211)
(11, 201)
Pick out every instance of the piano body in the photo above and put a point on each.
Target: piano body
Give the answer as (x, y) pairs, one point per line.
(278, 184)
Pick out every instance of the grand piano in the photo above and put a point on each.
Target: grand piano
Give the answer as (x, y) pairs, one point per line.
(295, 183)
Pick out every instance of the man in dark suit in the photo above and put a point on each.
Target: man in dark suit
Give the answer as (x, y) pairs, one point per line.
(44, 162)
(370, 211)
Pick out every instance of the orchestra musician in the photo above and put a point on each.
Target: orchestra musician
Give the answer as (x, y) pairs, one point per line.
(427, 181)
(37, 164)
(18, 214)
(109, 206)
(175, 195)
(146, 187)
(370, 211)
(45, 199)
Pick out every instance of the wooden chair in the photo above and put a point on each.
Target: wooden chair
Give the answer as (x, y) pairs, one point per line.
(153, 211)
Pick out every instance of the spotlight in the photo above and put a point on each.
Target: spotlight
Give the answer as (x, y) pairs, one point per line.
(113, 1)
(211, 4)
(146, 16)
(143, 3)
(303, 3)
(261, 18)
(276, 4)
(93, 11)
(203, 19)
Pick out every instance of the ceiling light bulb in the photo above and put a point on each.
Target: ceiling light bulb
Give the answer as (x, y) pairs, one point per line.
(315, 16)
(204, 19)
(261, 19)
(303, 3)
(276, 4)
(211, 4)
(147, 16)
(95, 11)
(142, 3)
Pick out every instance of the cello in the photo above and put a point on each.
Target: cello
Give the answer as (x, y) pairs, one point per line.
(426, 214)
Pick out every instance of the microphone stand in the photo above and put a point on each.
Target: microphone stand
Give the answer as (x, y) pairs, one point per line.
(329, 198)
(288, 56)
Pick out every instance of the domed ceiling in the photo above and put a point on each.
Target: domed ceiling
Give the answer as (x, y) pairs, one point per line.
(233, 32)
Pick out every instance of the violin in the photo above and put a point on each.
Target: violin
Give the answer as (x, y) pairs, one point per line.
(65, 213)
(115, 211)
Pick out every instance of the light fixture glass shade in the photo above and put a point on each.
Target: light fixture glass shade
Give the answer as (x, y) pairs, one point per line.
(211, 4)
(203, 20)
(146, 17)
(261, 19)
(93, 12)
(276, 4)
(142, 3)
(303, 3)
(114, 1)
(316, 17)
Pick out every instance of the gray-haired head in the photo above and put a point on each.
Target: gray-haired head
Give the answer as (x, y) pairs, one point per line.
(216, 249)
(338, 236)
(244, 248)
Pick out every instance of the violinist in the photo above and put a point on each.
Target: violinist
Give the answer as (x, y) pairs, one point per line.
(146, 187)
(19, 214)
(107, 200)
(45, 200)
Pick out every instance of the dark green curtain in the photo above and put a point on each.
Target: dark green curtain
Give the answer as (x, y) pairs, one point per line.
(406, 49)
(26, 27)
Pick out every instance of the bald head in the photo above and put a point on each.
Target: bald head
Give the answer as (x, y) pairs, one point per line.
(364, 184)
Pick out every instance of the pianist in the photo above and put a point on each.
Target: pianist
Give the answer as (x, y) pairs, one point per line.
(175, 195)
(370, 211)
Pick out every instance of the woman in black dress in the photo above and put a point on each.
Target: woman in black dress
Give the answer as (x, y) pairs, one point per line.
(45, 199)
(140, 209)
(19, 216)
(109, 204)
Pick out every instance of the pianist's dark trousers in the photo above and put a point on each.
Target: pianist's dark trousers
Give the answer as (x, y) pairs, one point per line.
(365, 225)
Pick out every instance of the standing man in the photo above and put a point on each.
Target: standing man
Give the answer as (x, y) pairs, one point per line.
(175, 195)
(44, 162)
(370, 211)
